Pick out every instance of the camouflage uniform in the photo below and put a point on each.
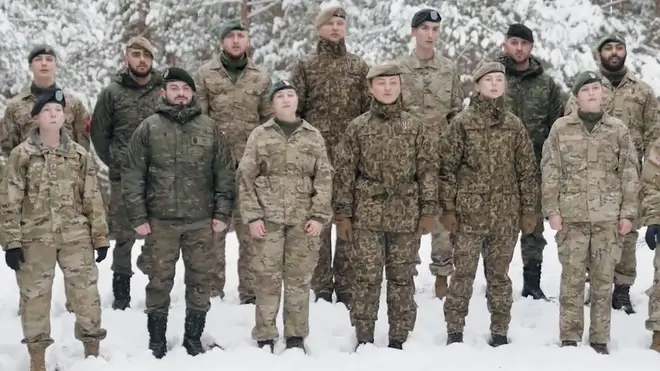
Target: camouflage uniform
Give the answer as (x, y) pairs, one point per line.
(332, 88)
(53, 211)
(285, 182)
(488, 182)
(237, 107)
(536, 99)
(178, 174)
(590, 180)
(385, 193)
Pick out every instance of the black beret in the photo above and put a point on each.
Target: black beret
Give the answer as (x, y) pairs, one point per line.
(521, 31)
(48, 96)
(279, 85)
(178, 74)
(40, 50)
(425, 15)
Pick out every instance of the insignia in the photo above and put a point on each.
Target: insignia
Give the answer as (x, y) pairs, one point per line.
(59, 96)
(340, 13)
(194, 140)
(592, 75)
(286, 82)
(404, 124)
(167, 73)
(46, 49)
(434, 15)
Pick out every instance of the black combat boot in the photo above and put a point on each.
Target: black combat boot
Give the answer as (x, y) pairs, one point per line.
(157, 326)
(532, 281)
(266, 343)
(327, 296)
(621, 299)
(600, 348)
(194, 327)
(121, 288)
(395, 344)
(568, 343)
(295, 342)
(455, 337)
(498, 340)
(344, 298)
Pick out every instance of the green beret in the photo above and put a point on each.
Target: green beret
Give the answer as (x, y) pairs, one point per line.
(48, 96)
(611, 38)
(584, 78)
(279, 85)
(384, 69)
(229, 26)
(42, 49)
(178, 74)
(425, 15)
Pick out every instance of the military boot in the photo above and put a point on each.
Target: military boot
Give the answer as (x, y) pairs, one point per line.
(532, 281)
(454, 337)
(498, 340)
(327, 296)
(600, 348)
(266, 343)
(344, 298)
(121, 288)
(295, 342)
(157, 326)
(194, 327)
(655, 344)
(37, 357)
(441, 287)
(621, 299)
(91, 348)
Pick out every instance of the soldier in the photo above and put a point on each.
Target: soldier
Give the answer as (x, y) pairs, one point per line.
(390, 198)
(285, 184)
(432, 91)
(130, 98)
(590, 196)
(536, 99)
(632, 101)
(234, 93)
(53, 213)
(488, 194)
(332, 88)
(188, 193)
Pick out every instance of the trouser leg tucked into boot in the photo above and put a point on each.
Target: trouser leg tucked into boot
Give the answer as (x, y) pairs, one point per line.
(532, 280)
(121, 288)
(621, 299)
(157, 326)
(194, 327)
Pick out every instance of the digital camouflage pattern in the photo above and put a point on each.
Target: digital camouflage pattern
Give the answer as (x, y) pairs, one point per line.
(488, 179)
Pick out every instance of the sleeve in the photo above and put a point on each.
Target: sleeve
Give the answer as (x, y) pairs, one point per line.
(265, 108)
(457, 96)
(81, 124)
(10, 133)
(526, 171)
(202, 93)
(650, 212)
(428, 166)
(101, 126)
(12, 193)
(556, 104)
(224, 179)
(550, 174)
(247, 173)
(366, 93)
(451, 147)
(650, 122)
(299, 82)
(571, 105)
(347, 155)
(322, 184)
(134, 175)
(92, 204)
(628, 171)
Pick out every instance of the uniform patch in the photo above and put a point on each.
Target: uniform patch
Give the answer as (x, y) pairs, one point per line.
(59, 96)
(434, 15)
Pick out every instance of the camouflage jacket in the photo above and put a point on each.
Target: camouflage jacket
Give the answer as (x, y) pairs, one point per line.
(488, 169)
(51, 195)
(178, 167)
(332, 90)
(650, 179)
(590, 177)
(285, 181)
(431, 90)
(237, 108)
(387, 167)
(536, 99)
(120, 108)
(634, 103)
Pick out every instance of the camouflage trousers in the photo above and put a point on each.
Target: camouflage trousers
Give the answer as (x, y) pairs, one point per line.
(653, 322)
(497, 251)
(286, 256)
(35, 281)
(160, 254)
(121, 230)
(332, 274)
(246, 253)
(596, 246)
(532, 245)
(625, 270)
(370, 252)
(442, 255)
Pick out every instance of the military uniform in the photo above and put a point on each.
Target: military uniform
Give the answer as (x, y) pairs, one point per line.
(235, 95)
(285, 179)
(189, 174)
(384, 196)
(488, 194)
(53, 213)
(332, 91)
(119, 110)
(590, 180)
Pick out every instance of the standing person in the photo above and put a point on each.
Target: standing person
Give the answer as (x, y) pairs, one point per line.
(233, 91)
(632, 101)
(130, 98)
(488, 194)
(332, 91)
(53, 213)
(432, 91)
(384, 201)
(178, 186)
(285, 187)
(590, 196)
(536, 99)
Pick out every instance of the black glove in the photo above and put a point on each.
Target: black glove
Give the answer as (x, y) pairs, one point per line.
(101, 253)
(652, 234)
(14, 258)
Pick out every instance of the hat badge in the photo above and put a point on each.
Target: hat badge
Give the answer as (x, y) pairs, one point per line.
(592, 75)
(434, 15)
(58, 95)
(167, 73)
(286, 82)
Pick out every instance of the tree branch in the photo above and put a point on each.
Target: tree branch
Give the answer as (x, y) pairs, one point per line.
(261, 10)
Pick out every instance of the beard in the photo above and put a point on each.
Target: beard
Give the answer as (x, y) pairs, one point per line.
(613, 67)
(140, 74)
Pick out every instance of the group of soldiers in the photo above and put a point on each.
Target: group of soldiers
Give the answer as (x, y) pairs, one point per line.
(385, 153)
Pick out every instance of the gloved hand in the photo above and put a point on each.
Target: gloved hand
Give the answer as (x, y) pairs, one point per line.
(652, 235)
(344, 228)
(528, 223)
(14, 258)
(425, 225)
(448, 220)
(101, 253)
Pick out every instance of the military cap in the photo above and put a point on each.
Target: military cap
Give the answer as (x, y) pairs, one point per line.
(48, 96)
(139, 42)
(41, 50)
(611, 38)
(384, 69)
(327, 14)
(521, 31)
(425, 15)
(486, 68)
(232, 25)
(279, 85)
(178, 74)
(584, 78)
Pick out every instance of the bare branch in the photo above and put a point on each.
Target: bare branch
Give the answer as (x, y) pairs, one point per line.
(261, 10)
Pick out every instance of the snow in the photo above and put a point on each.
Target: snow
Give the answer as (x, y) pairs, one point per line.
(534, 330)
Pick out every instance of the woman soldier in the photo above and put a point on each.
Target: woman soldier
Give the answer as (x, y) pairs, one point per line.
(285, 186)
(53, 213)
(488, 194)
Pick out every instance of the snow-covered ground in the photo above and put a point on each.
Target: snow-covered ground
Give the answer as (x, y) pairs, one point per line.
(534, 331)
